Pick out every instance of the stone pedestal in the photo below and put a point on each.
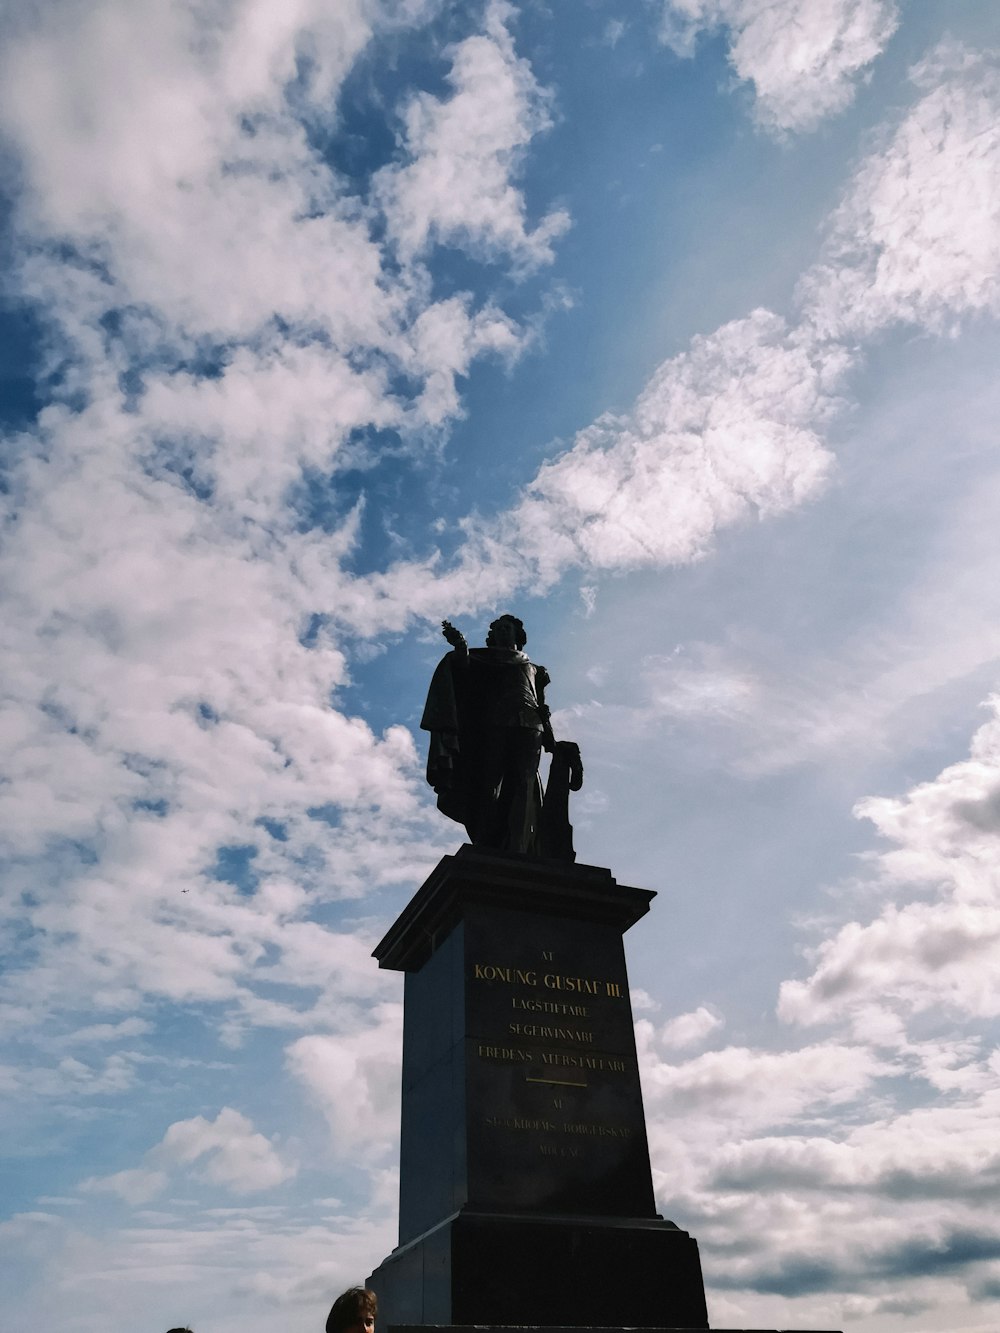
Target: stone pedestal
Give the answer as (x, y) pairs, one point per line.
(525, 1188)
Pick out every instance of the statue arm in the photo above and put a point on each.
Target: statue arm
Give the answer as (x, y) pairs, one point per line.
(457, 640)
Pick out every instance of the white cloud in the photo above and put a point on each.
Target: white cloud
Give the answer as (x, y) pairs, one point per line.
(138, 1185)
(698, 683)
(642, 1001)
(917, 237)
(929, 1152)
(192, 1264)
(181, 235)
(232, 1152)
(354, 1079)
(463, 150)
(761, 1088)
(734, 426)
(775, 1159)
(445, 339)
(68, 1079)
(720, 433)
(226, 1151)
(160, 142)
(100, 1032)
(938, 948)
(688, 1029)
(803, 57)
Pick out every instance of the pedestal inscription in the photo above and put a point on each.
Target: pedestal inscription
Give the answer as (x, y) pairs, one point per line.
(555, 1111)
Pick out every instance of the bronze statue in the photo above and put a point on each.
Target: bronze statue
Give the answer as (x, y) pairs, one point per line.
(489, 722)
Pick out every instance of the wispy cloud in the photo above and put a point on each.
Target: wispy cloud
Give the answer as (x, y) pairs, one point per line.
(455, 185)
(916, 237)
(803, 57)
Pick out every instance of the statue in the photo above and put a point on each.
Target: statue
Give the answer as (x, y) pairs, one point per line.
(489, 723)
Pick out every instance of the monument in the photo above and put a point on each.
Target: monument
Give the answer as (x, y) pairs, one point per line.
(525, 1194)
(488, 723)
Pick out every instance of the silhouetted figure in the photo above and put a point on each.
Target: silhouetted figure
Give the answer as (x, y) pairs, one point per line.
(353, 1311)
(488, 721)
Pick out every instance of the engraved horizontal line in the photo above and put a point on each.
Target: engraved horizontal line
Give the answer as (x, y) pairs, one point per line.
(558, 1082)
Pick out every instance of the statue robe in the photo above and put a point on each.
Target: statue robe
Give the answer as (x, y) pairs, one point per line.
(485, 738)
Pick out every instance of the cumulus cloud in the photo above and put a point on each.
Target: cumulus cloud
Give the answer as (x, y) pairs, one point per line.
(354, 1080)
(937, 947)
(688, 1029)
(776, 1158)
(803, 57)
(68, 1079)
(931, 1152)
(784, 1083)
(226, 1151)
(225, 324)
(457, 185)
(726, 430)
(916, 236)
(230, 1150)
(186, 165)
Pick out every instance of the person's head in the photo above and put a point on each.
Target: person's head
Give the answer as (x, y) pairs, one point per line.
(506, 632)
(185, 1329)
(353, 1312)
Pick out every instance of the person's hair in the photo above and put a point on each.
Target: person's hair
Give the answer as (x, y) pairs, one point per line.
(185, 1329)
(520, 638)
(354, 1306)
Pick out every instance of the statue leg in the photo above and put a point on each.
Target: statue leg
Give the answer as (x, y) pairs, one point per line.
(486, 825)
(506, 809)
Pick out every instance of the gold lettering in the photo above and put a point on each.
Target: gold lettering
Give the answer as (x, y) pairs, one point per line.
(533, 1006)
(512, 976)
(595, 1062)
(591, 1130)
(521, 1122)
(581, 985)
(506, 1053)
(547, 1033)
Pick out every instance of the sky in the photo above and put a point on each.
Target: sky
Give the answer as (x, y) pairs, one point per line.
(670, 326)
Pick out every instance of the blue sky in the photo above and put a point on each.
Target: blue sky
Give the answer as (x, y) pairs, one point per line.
(670, 326)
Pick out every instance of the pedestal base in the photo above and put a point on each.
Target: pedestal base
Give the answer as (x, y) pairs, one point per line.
(482, 1268)
(522, 1328)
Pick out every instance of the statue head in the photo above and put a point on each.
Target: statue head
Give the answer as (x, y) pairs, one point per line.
(506, 632)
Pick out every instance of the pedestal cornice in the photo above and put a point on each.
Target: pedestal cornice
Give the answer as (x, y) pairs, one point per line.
(546, 888)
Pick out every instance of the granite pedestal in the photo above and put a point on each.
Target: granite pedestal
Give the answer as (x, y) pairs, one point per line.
(525, 1188)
